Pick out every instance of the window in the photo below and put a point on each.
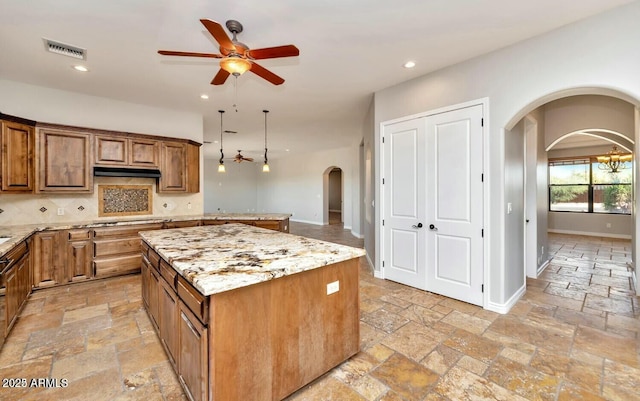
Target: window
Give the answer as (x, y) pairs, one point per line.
(579, 185)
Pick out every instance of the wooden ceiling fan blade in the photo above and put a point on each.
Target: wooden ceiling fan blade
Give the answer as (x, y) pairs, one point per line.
(247, 159)
(189, 54)
(274, 52)
(266, 74)
(220, 77)
(217, 31)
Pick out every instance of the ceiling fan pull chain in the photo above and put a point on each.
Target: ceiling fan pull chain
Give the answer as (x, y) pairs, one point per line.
(235, 88)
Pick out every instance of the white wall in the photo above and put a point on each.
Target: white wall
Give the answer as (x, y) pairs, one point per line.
(234, 191)
(595, 53)
(295, 185)
(514, 277)
(60, 107)
(575, 113)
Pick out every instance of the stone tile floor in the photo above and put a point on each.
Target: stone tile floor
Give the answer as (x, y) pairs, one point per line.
(573, 336)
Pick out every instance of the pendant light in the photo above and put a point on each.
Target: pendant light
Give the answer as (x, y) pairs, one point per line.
(221, 168)
(265, 166)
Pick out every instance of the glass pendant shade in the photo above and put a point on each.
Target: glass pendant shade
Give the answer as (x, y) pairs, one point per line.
(265, 168)
(235, 65)
(221, 168)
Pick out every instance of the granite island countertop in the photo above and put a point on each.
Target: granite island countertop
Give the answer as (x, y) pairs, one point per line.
(12, 235)
(222, 258)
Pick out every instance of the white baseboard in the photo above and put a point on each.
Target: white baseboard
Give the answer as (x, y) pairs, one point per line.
(506, 307)
(376, 273)
(347, 227)
(542, 267)
(589, 233)
(357, 235)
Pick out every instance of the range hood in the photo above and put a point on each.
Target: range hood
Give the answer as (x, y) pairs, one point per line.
(125, 172)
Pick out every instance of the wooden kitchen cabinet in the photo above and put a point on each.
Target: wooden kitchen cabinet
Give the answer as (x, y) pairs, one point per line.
(114, 150)
(17, 149)
(193, 354)
(17, 283)
(48, 261)
(117, 251)
(168, 319)
(78, 258)
(63, 161)
(180, 167)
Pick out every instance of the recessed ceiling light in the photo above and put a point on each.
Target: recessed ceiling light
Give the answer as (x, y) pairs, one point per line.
(204, 97)
(80, 68)
(409, 64)
(286, 150)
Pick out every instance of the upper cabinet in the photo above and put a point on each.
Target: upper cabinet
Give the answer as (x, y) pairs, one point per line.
(17, 142)
(112, 150)
(180, 167)
(63, 160)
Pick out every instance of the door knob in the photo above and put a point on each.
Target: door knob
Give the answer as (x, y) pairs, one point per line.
(432, 227)
(417, 226)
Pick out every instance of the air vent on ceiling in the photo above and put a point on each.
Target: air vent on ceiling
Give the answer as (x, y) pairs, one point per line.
(64, 49)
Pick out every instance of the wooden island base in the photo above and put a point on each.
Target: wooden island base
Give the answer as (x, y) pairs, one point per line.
(261, 342)
(272, 338)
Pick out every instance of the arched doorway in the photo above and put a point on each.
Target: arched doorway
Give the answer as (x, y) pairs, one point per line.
(332, 205)
(535, 188)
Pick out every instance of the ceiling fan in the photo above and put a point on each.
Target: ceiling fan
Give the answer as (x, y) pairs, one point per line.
(239, 158)
(236, 57)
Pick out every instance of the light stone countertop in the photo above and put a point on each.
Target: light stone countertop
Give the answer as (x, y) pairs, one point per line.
(222, 258)
(15, 234)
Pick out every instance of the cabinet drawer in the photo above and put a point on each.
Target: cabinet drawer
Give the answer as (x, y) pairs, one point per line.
(16, 253)
(117, 266)
(125, 231)
(196, 302)
(116, 246)
(79, 235)
(182, 224)
(168, 273)
(144, 249)
(154, 259)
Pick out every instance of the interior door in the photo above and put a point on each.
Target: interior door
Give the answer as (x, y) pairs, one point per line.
(454, 203)
(404, 202)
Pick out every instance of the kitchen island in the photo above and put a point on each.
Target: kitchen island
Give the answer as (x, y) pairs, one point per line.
(246, 313)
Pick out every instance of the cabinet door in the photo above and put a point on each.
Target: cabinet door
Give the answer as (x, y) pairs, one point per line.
(48, 259)
(111, 150)
(143, 153)
(193, 168)
(144, 277)
(17, 150)
(193, 354)
(168, 310)
(79, 260)
(173, 167)
(154, 283)
(63, 161)
(12, 297)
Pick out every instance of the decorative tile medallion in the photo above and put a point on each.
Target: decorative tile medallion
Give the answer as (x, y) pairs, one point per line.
(1, 210)
(43, 209)
(124, 200)
(80, 208)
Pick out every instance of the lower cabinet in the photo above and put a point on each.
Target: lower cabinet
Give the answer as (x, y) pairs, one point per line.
(48, 260)
(181, 331)
(17, 284)
(193, 366)
(78, 261)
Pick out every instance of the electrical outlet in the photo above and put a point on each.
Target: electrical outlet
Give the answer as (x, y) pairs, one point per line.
(608, 225)
(189, 205)
(60, 211)
(333, 287)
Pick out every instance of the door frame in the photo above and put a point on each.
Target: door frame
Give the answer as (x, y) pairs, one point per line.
(486, 196)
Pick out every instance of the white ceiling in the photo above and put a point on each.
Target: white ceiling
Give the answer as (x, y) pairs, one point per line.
(348, 50)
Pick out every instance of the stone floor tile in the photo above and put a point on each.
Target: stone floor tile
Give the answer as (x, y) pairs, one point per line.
(571, 392)
(85, 364)
(608, 304)
(441, 359)
(516, 355)
(472, 365)
(580, 318)
(84, 313)
(473, 345)
(369, 388)
(422, 315)
(380, 352)
(413, 340)
(406, 377)
(326, 389)
(620, 378)
(523, 380)
(355, 368)
(384, 320)
(610, 346)
(467, 322)
(460, 384)
(137, 359)
(369, 335)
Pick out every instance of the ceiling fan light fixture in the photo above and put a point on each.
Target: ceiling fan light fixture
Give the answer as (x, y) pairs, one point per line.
(235, 65)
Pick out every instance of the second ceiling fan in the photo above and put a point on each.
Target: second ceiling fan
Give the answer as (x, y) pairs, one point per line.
(236, 57)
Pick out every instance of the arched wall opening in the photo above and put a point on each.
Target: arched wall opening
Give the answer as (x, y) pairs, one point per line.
(333, 195)
(519, 129)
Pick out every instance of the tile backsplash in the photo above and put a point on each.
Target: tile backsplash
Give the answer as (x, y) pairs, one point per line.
(68, 208)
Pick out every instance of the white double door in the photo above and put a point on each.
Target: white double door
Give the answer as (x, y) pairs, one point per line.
(433, 202)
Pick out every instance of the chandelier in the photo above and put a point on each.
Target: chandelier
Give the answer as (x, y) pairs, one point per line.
(614, 160)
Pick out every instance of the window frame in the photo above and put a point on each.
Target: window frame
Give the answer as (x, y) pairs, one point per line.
(590, 185)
